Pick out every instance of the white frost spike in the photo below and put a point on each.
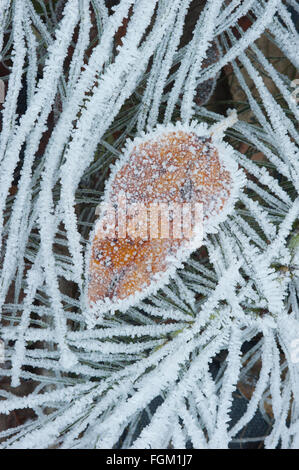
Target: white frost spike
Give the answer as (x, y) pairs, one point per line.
(218, 129)
(182, 165)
